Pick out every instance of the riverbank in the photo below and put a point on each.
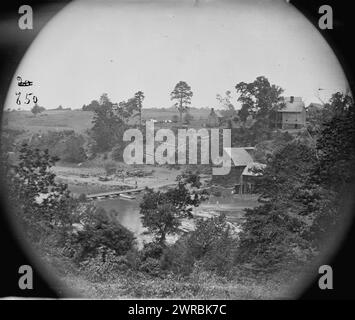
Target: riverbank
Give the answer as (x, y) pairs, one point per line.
(92, 178)
(86, 180)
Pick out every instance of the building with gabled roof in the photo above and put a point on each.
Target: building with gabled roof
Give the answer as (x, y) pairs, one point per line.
(244, 170)
(293, 115)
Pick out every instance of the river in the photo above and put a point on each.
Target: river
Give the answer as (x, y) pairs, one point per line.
(128, 212)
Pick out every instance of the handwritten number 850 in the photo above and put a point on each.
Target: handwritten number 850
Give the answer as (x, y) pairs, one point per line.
(27, 99)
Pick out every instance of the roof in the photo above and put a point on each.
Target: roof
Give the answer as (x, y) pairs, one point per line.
(239, 156)
(296, 106)
(248, 170)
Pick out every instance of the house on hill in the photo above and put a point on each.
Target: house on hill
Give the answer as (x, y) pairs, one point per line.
(293, 115)
(243, 173)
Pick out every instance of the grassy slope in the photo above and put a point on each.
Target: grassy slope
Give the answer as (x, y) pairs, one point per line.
(199, 285)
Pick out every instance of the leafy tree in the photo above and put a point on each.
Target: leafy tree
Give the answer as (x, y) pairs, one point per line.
(333, 178)
(162, 212)
(182, 94)
(226, 101)
(37, 199)
(244, 112)
(261, 99)
(37, 109)
(128, 108)
(65, 144)
(161, 221)
(139, 96)
(228, 112)
(336, 144)
(212, 244)
(108, 125)
(339, 104)
(73, 149)
(286, 172)
(272, 230)
(92, 106)
(269, 237)
(100, 230)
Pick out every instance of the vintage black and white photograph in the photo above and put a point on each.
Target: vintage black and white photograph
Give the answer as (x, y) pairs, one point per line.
(179, 149)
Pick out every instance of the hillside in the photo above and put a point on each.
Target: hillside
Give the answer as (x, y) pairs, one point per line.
(78, 120)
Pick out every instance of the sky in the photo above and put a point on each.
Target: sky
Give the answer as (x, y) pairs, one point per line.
(121, 47)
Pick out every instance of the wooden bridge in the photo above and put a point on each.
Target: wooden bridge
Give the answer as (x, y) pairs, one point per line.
(126, 193)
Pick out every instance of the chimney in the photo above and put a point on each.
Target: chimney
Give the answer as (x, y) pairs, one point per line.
(292, 99)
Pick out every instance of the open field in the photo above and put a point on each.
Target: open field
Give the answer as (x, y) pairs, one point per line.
(49, 121)
(80, 121)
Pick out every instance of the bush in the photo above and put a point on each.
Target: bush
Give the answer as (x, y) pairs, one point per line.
(151, 266)
(212, 244)
(190, 177)
(188, 118)
(268, 238)
(82, 197)
(151, 250)
(177, 258)
(105, 265)
(74, 149)
(175, 118)
(66, 145)
(99, 231)
(117, 153)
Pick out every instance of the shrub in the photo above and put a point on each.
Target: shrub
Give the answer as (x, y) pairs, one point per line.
(117, 152)
(177, 259)
(190, 177)
(66, 145)
(151, 266)
(212, 244)
(74, 149)
(175, 118)
(268, 237)
(99, 230)
(105, 265)
(151, 250)
(188, 118)
(82, 197)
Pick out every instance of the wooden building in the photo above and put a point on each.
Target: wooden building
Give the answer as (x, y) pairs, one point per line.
(244, 171)
(293, 115)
